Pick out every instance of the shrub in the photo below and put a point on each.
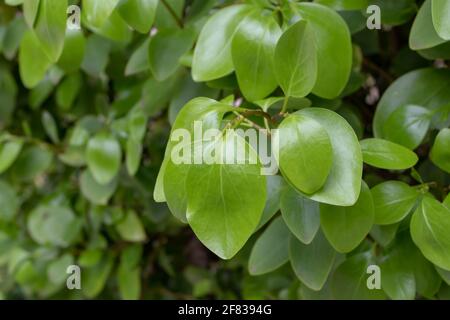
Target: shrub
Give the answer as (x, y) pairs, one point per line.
(123, 149)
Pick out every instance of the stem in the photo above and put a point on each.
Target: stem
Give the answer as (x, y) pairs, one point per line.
(173, 14)
(377, 69)
(285, 105)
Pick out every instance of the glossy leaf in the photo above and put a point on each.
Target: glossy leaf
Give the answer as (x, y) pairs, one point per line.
(334, 49)
(271, 250)
(408, 126)
(50, 27)
(166, 49)
(440, 153)
(305, 153)
(300, 214)
(346, 227)
(429, 88)
(423, 33)
(139, 14)
(312, 263)
(441, 18)
(384, 154)
(296, 60)
(344, 181)
(393, 201)
(212, 55)
(214, 206)
(429, 230)
(258, 33)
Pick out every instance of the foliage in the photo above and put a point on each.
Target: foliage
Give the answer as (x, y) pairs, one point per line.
(87, 175)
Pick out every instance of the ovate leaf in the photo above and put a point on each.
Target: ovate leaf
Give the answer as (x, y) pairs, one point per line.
(440, 153)
(312, 262)
(429, 230)
(31, 72)
(252, 50)
(441, 18)
(393, 201)
(212, 55)
(346, 227)
(300, 214)
(304, 152)
(296, 60)
(271, 250)
(344, 181)
(166, 49)
(50, 27)
(139, 14)
(408, 126)
(387, 155)
(334, 48)
(103, 155)
(216, 192)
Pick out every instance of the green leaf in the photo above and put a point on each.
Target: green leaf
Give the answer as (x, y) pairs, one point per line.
(384, 234)
(9, 151)
(57, 270)
(131, 228)
(103, 155)
(30, 11)
(134, 154)
(275, 185)
(429, 88)
(94, 278)
(398, 280)
(408, 126)
(49, 124)
(197, 109)
(31, 72)
(346, 227)
(384, 154)
(31, 162)
(344, 181)
(129, 283)
(334, 48)
(393, 201)
(9, 202)
(423, 34)
(96, 13)
(349, 281)
(440, 153)
(68, 91)
(300, 214)
(50, 27)
(429, 230)
(137, 123)
(212, 55)
(441, 18)
(312, 263)
(271, 250)
(73, 52)
(345, 4)
(95, 192)
(166, 49)
(215, 208)
(305, 153)
(295, 60)
(252, 51)
(138, 14)
(96, 55)
(53, 225)
(138, 61)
